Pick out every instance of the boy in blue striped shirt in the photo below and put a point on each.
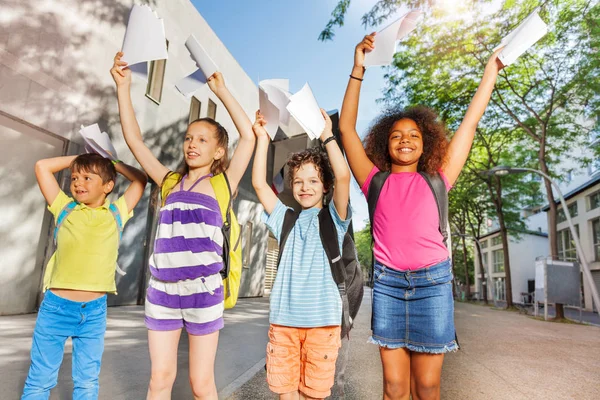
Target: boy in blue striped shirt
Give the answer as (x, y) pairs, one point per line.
(306, 308)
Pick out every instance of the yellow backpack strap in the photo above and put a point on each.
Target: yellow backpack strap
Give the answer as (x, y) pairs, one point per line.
(222, 190)
(169, 181)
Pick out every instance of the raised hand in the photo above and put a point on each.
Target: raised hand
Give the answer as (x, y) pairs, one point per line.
(327, 131)
(494, 64)
(119, 71)
(259, 126)
(216, 83)
(366, 45)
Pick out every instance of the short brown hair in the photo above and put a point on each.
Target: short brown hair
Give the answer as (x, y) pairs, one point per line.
(96, 164)
(314, 156)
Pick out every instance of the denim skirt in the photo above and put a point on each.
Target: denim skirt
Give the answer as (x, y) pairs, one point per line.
(414, 309)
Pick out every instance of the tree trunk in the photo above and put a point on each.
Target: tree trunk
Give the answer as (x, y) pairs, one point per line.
(484, 287)
(496, 193)
(552, 231)
(467, 280)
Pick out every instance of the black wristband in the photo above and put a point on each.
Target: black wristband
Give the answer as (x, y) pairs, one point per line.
(329, 139)
(354, 77)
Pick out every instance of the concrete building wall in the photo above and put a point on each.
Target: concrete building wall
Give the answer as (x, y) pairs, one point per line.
(584, 220)
(522, 252)
(55, 58)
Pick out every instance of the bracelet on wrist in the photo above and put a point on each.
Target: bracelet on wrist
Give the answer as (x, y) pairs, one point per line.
(115, 162)
(354, 77)
(329, 139)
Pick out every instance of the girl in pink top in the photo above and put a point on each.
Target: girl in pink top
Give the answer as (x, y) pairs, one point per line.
(413, 310)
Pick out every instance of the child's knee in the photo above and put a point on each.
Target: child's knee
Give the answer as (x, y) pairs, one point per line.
(427, 389)
(396, 388)
(202, 386)
(162, 379)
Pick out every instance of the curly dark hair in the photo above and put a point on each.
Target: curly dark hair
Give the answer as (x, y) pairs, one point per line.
(435, 138)
(314, 156)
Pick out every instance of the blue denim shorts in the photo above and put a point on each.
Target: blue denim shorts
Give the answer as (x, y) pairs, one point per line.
(414, 309)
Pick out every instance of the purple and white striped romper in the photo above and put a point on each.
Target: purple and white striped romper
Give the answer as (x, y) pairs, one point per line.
(186, 288)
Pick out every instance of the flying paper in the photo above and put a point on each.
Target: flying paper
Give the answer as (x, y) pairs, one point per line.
(385, 40)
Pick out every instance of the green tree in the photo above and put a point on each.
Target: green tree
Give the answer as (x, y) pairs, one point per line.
(362, 240)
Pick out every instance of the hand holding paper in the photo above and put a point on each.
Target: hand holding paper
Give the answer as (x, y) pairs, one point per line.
(98, 142)
(522, 38)
(385, 45)
(145, 37)
(206, 68)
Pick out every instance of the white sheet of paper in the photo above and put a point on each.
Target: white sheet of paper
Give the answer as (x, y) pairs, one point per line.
(304, 108)
(190, 84)
(98, 141)
(522, 38)
(206, 67)
(273, 98)
(386, 39)
(145, 38)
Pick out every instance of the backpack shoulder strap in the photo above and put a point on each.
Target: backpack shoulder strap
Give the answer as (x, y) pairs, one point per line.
(329, 239)
(222, 189)
(62, 216)
(117, 216)
(169, 181)
(288, 224)
(374, 191)
(438, 187)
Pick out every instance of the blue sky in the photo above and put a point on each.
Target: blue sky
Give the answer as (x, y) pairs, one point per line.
(278, 39)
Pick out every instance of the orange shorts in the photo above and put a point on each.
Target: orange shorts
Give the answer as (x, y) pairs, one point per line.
(302, 359)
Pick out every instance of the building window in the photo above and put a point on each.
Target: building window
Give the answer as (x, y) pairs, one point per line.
(560, 215)
(500, 289)
(596, 232)
(195, 108)
(484, 244)
(497, 240)
(566, 245)
(156, 77)
(212, 109)
(498, 260)
(594, 200)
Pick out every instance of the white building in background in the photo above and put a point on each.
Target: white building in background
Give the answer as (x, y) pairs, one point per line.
(55, 58)
(524, 248)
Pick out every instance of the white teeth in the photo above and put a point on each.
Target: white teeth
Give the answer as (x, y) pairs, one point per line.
(406, 150)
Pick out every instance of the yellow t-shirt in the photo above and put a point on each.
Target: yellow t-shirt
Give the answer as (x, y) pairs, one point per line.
(87, 247)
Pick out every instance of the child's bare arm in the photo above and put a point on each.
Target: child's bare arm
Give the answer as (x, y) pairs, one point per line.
(44, 173)
(341, 189)
(357, 158)
(130, 126)
(138, 180)
(460, 146)
(245, 147)
(259, 170)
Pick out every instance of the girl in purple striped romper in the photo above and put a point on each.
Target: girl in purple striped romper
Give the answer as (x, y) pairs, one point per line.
(186, 289)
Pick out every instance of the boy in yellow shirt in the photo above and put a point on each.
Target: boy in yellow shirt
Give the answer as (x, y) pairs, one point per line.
(81, 271)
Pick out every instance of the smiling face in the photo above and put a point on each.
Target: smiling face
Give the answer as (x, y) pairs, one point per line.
(405, 144)
(307, 186)
(88, 188)
(201, 146)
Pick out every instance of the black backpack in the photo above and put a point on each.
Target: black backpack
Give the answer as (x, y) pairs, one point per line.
(437, 186)
(345, 268)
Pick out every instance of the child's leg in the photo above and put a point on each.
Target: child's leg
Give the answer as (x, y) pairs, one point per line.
(163, 357)
(426, 374)
(283, 361)
(396, 373)
(88, 346)
(47, 349)
(319, 352)
(203, 350)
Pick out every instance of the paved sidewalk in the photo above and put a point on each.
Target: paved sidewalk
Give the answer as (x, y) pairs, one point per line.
(126, 362)
(504, 356)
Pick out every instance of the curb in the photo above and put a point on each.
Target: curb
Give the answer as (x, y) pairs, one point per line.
(242, 379)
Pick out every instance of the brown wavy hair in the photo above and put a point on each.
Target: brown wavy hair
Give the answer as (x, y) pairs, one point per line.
(433, 130)
(220, 165)
(95, 164)
(314, 156)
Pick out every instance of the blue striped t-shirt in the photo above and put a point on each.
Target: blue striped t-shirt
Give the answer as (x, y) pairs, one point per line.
(304, 294)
